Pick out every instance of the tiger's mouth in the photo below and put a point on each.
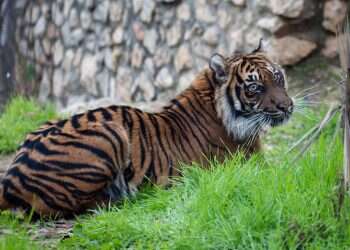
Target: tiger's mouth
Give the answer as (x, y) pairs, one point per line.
(278, 118)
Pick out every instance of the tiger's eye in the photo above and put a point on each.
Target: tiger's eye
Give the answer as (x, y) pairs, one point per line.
(253, 87)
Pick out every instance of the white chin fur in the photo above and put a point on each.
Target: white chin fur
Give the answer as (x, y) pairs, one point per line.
(241, 128)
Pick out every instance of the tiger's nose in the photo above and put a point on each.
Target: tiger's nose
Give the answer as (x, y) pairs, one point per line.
(286, 107)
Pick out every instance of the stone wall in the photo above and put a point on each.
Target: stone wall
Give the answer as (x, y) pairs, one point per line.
(143, 50)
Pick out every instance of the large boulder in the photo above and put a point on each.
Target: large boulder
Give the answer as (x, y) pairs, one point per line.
(290, 50)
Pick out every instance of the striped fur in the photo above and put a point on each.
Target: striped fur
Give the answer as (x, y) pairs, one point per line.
(105, 154)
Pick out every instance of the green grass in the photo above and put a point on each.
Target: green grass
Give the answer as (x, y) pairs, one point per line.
(13, 233)
(21, 116)
(235, 205)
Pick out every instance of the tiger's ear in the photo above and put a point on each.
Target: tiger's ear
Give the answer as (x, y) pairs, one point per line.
(262, 47)
(217, 65)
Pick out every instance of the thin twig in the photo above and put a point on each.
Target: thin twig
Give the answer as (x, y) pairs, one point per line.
(327, 118)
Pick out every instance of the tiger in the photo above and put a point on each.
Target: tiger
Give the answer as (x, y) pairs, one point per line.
(104, 155)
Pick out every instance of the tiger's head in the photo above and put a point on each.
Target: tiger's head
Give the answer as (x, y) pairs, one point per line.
(251, 93)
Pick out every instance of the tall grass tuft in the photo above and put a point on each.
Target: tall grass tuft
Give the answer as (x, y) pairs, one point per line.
(235, 205)
(21, 116)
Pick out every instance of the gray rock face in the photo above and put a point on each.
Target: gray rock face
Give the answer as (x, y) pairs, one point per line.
(133, 50)
(150, 40)
(164, 78)
(40, 26)
(291, 9)
(147, 10)
(183, 59)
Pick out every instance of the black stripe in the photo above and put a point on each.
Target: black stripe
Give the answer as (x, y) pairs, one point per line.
(61, 123)
(184, 111)
(93, 150)
(12, 198)
(43, 195)
(91, 116)
(75, 121)
(172, 118)
(88, 132)
(90, 177)
(120, 142)
(70, 187)
(32, 164)
(106, 115)
(44, 150)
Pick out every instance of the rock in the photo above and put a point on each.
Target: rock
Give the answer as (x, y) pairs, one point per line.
(252, 38)
(185, 81)
(78, 55)
(212, 35)
(137, 28)
(73, 20)
(137, 5)
(105, 38)
(164, 78)
(174, 34)
(270, 23)
(58, 18)
(330, 48)
(67, 6)
(137, 56)
(183, 11)
(123, 84)
(116, 11)
(236, 37)
(225, 17)
(86, 20)
(88, 73)
(297, 49)
(117, 36)
(39, 52)
(35, 14)
(183, 59)
(334, 13)
(52, 32)
(40, 26)
(101, 11)
(204, 13)
(239, 2)
(150, 40)
(165, 18)
(58, 53)
(147, 10)
(149, 67)
(162, 56)
(167, 1)
(58, 83)
(76, 37)
(200, 49)
(90, 43)
(145, 85)
(68, 60)
(109, 60)
(45, 87)
(47, 46)
(102, 79)
(291, 9)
